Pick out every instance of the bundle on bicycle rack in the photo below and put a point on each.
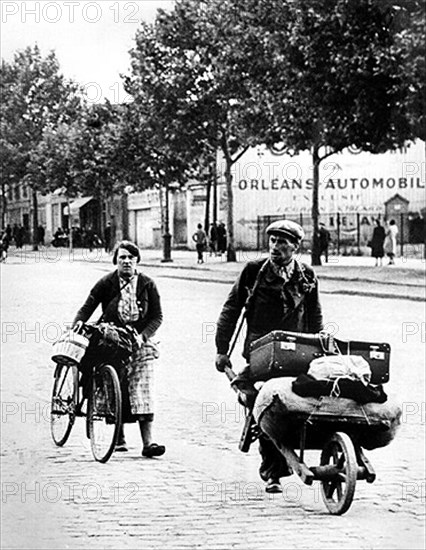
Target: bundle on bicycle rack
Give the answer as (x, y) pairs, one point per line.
(70, 348)
(111, 343)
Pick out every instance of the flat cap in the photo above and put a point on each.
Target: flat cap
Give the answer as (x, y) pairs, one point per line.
(286, 228)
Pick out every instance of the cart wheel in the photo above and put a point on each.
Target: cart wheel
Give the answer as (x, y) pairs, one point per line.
(64, 402)
(338, 493)
(104, 412)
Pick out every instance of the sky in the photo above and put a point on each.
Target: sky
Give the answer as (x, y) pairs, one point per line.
(91, 39)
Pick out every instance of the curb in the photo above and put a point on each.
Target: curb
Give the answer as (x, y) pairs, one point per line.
(371, 294)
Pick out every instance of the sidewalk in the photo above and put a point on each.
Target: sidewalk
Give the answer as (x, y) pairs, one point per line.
(342, 274)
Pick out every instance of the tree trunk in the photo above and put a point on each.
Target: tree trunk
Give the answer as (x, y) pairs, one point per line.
(214, 179)
(124, 217)
(167, 238)
(207, 212)
(69, 226)
(35, 219)
(315, 252)
(231, 255)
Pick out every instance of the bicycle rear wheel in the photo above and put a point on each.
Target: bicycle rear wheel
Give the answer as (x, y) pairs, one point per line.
(63, 404)
(104, 413)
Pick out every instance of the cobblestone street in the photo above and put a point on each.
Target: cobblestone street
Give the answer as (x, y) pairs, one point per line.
(203, 493)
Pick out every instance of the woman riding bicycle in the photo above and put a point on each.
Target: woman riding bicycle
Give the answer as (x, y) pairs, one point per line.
(131, 299)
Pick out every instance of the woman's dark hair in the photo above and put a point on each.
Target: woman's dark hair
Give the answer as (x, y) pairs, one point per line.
(130, 247)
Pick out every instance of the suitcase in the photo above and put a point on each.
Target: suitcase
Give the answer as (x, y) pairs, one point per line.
(281, 353)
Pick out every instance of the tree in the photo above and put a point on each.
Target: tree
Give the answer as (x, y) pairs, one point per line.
(188, 73)
(332, 77)
(96, 168)
(159, 148)
(58, 154)
(34, 96)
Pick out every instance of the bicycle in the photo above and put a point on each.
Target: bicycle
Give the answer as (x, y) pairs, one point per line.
(96, 385)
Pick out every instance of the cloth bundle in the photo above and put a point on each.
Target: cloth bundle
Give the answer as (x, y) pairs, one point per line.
(334, 367)
(374, 424)
(339, 376)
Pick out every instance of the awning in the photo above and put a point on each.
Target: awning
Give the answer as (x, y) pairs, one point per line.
(78, 203)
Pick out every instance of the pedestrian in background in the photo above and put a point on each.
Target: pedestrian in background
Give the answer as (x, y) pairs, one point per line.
(40, 234)
(200, 239)
(4, 245)
(221, 238)
(107, 237)
(376, 243)
(324, 238)
(8, 232)
(390, 241)
(213, 238)
(19, 237)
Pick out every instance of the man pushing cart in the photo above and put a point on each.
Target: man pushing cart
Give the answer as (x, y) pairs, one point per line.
(280, 302)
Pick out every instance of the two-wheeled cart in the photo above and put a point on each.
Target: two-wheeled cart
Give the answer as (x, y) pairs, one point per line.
(339, 428)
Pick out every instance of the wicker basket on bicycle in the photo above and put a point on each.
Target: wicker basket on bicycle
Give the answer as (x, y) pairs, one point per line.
(70, 348)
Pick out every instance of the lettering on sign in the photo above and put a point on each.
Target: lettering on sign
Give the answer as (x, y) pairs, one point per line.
(334, 184)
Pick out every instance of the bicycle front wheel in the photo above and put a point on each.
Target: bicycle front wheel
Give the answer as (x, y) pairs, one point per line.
(104, 412)
(63, 404)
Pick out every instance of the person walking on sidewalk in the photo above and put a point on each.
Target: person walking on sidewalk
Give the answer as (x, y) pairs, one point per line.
(213, 239)
(129, 298)
(221, 238)
(279, 293)
(324, 238)
(200, 239)
(376, 243)
(390, 241)
(107, 237)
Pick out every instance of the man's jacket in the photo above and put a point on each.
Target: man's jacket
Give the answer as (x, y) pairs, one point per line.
(275, 305)
(107, 293)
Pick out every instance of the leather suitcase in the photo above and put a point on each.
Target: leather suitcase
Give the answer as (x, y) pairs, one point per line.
(282, 353)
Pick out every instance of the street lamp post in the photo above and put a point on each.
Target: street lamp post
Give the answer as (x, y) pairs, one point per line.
(167, 238)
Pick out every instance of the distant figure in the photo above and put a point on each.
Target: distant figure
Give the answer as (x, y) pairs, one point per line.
(59, 237)
(213, 238)
(377, 240)
(200, 239)
(4, 245)
(390, 241)
(89, 238)
(40, 234)
(324, 238)
(107, 237)
(15, 231)
(19, 237)
(221, 238)
(8, 232)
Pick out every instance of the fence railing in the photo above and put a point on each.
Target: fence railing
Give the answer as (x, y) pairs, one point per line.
(351, 231)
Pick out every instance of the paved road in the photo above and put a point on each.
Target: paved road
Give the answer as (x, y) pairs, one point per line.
(203, 493)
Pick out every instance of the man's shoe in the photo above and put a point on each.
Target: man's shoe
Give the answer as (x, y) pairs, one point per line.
(153, 450)
(273, 486)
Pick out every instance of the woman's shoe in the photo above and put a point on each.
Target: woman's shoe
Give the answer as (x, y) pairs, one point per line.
(153, 450)
(273, 486)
